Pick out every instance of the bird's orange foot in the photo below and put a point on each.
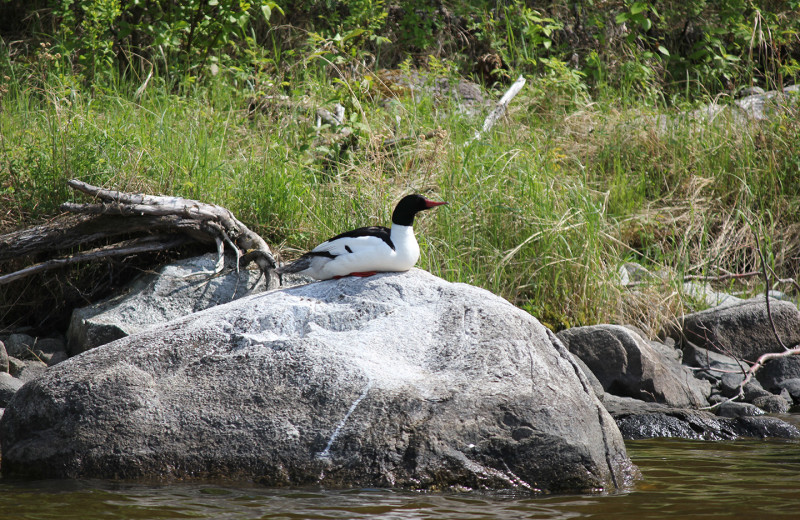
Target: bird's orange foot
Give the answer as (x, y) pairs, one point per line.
(364, 274)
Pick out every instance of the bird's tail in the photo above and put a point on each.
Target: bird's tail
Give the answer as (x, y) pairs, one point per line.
(301, 264)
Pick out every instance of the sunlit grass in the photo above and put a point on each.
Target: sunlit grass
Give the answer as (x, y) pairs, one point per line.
(543, 210)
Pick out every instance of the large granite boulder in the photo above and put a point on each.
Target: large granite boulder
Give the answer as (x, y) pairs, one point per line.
(400, 380)
(173, 291)
(628, 365)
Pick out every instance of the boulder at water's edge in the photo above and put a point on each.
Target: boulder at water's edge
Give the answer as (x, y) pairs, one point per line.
(400, 380)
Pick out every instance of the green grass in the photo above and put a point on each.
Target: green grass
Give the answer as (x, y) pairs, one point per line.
(543, 210)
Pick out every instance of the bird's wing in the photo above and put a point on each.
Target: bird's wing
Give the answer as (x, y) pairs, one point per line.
(355, 241)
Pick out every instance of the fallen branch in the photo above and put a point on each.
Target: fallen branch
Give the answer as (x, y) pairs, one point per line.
(119, 214)
(130, 247)
(762, 359)
(500, 109)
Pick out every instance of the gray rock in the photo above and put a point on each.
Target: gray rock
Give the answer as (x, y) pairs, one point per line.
(772, 403)
(737, 409)
(8, 387)
(742, 330)
(49, 345)
(714, 364)
(33, 368)
(760, 107)
(20, 345)
(753, 390)
(175, 290)
(400, 379)
(730, 382)
(627, 365)
(704, 294)
(57, 358)
(750, 91)
(597, 386)
(792, 386)
(639, 420)
(778, 370)
(631, 273)
(15, 366)
(3, 358)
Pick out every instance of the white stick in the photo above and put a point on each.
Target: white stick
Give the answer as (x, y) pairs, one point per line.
(500, 109)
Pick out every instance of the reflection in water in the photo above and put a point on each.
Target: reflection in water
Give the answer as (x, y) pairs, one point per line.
(682, 479)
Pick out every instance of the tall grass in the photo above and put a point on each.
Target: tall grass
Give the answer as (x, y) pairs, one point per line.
(544, 210)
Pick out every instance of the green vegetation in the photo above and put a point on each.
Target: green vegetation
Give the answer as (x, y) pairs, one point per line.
(544, 209)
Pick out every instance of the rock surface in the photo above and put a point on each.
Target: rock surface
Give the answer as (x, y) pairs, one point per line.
(639, 420)
(400, 380)
(174, 291)
(742, 330)
(775, 371)
(629, 366)
(8, 387)
(3, 358)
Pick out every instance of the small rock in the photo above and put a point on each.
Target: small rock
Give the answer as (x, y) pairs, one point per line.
(772, 403)
(708, 296)
(737, 409)
(8, 387)
(20, 345)
(631, 273)
(32, 370)
(3, 358)
(778, 370)
(173, 291)
(716, 399)
(57, 358)
(750, 91)
(753, 390)
(50, 345)
(791, 387)
(15, 366)
(713, 363)
(729, 383)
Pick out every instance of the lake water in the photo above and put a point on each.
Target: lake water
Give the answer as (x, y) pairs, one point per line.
(682, 479)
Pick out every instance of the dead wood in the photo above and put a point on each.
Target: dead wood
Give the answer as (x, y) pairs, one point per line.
(499, 109)
(161, 223)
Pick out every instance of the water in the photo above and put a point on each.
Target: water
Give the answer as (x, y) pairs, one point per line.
(682, 479)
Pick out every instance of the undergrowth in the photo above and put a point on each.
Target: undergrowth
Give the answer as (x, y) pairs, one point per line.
(544, 210)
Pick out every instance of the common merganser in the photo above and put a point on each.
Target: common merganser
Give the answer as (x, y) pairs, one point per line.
(368, 250)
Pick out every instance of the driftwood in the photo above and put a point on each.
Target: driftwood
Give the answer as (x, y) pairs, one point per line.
(164, 222)
(499, 109)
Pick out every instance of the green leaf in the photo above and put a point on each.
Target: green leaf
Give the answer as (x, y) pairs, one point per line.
(638, 7)
(663, 50)
(622, 18)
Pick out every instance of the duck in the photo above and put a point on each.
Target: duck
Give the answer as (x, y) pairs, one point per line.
(368, 250)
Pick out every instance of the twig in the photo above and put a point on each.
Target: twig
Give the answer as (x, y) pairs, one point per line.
(763, 358)
(722, 277)
(136, 246)
(766, 293)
